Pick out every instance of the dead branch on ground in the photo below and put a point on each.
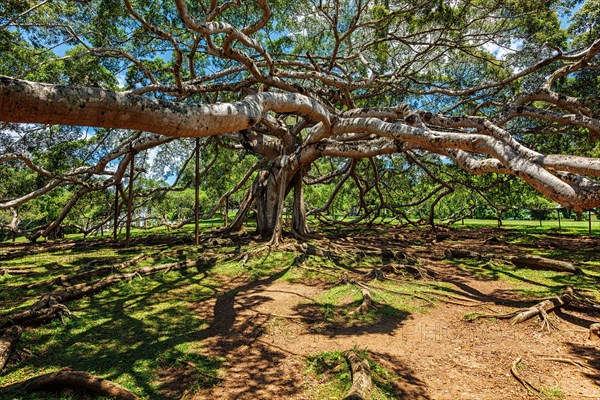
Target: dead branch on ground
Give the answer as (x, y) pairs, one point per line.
(8, 342)
(361, 377)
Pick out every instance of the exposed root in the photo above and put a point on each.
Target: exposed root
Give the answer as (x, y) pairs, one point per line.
(496, 316)
(429, 300)
(453, 299)
(361, 377)
(10, 271)
(318, 271)
(528, 386)
(73, 379)
(45, 310)
(314, 251)
(64, 280)
(388, 256)
(575, 363)
(494, 240)
(366, 304)
(525, 261)
(453, 253)
(51, 305)
(542, 308)
(375, 273)
(8, 342)
(402, 269)
(306, 236)
(594, 332)
(530, 261)
(279, 245)
(366, 285)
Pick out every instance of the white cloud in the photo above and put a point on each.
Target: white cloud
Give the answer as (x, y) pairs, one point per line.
(121, 78)
(500, 52)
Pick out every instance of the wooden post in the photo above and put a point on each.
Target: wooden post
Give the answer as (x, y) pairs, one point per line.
(558, 212)
(116, 221)
(590, 221)
(129, 201)
(197, 196)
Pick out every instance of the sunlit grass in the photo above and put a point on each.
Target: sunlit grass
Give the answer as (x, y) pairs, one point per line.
(567, 226)
(332, 372)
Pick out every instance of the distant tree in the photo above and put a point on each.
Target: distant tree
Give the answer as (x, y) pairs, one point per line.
(407, 86)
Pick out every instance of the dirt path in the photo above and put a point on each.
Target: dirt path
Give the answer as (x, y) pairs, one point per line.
(438, 355)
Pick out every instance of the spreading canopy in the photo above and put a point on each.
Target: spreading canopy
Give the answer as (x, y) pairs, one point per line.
(484, 83)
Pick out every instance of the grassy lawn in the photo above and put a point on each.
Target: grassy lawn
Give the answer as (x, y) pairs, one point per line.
(533, 226)
(135, 330)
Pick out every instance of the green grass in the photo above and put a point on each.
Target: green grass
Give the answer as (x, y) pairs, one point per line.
(335, 377)
(533, 226)
(125, 333)
(533, 283)
(554, 393)
(135, 330)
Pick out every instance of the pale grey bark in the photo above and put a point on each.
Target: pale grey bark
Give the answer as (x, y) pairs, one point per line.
(31, 102)
(316, 89)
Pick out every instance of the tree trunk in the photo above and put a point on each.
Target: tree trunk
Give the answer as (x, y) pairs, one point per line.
(299, 226)
(268, 192)
(226, 213)
(245, 208)
(267, 197)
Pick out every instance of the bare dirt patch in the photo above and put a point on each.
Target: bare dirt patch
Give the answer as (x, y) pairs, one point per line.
(208, 334)
(438, 355)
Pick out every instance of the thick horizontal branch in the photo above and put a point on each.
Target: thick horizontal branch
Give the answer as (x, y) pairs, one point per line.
(30, 102)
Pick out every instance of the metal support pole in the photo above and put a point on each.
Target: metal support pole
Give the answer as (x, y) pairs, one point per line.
(116, 220)
(197, 196)
(129, 201)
